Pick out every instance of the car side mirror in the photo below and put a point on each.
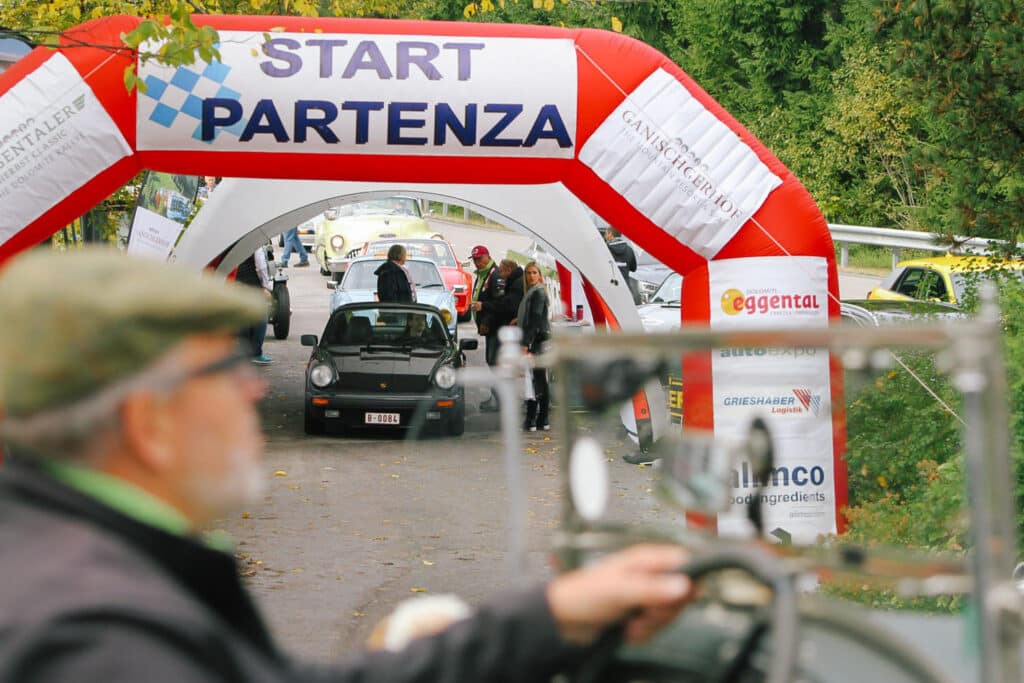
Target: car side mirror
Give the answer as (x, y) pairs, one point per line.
(308, 340)
(331, 284)
(468, 344)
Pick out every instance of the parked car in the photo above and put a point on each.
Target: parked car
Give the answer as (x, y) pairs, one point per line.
(360, 284)
(942, 278)
(349, 225)
(442, 253)
(662, 314)
(876, 312)
(380, 365)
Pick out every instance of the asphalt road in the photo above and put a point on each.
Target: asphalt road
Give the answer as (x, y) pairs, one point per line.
(351, 525)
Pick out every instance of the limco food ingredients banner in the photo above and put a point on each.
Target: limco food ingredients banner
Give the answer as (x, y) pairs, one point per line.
(788, 388)
(367, 94)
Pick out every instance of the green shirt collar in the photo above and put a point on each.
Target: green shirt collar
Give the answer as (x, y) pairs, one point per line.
(126, 498)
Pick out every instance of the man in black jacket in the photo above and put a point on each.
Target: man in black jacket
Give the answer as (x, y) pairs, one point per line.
(625, 258)
(497, 304)
(120, 462)
(393, 282)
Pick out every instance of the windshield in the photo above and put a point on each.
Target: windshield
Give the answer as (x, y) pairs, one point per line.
(670, 290)
(965, 284)
(360, 275)
(390, 206)
(433, 250)
(385, 327)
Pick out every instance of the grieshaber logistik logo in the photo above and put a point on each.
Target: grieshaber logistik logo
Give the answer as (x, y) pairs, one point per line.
(769, 301)
(800, 402)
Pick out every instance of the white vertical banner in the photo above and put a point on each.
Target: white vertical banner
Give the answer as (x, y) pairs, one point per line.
(153, 235)
(788, 388)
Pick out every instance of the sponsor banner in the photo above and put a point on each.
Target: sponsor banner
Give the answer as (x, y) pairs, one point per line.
(55, 136)
(367, 94)
(152, 235)
(789, 388)
(677, 164)
(769, 291)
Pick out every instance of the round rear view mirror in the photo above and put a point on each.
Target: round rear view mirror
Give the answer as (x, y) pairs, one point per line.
(588, 479)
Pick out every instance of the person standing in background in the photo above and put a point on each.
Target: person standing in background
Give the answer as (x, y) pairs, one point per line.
(486, 287)
(532, 319)
(254, 272)
(393, 282)
(292, 243)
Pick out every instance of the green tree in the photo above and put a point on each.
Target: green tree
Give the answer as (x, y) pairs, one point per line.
(962, 60)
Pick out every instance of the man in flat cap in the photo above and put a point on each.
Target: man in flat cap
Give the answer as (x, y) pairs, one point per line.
(132, 424)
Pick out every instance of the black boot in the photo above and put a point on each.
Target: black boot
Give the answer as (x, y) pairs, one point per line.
(531, 417)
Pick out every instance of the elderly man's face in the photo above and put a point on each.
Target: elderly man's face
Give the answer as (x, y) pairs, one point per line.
(214, 441)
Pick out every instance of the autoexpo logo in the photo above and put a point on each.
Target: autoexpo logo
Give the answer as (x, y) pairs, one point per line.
(789, 352)
(799, 402)
(767, 301)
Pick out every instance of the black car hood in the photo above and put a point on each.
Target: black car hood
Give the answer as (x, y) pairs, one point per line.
(386, 369)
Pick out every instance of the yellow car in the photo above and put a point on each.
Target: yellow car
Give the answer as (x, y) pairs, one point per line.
(349, 226)
(942, 278)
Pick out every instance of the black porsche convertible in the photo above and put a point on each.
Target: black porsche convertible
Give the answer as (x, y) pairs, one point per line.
(385, 365)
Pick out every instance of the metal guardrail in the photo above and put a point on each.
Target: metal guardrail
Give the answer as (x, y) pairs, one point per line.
(845, 235)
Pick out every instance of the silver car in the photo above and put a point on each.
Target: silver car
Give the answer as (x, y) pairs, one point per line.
(360, 285)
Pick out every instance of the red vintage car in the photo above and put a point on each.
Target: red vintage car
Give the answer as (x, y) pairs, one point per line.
(441, 252)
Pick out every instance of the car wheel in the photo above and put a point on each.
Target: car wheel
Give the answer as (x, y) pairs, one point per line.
(282, 316)
(311, 424)
(456, 425)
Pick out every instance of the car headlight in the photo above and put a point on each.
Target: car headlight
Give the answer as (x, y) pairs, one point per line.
(337, 242)
(445, 377)
(446, 315)
(321, 375)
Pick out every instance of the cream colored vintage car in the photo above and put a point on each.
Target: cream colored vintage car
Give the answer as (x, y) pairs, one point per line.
(348, 226)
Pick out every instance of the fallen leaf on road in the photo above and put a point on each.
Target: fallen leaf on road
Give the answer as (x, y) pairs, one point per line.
(428, 563)
(417, 590)
(246, 515)
(280, 473)
(395, 476)
(294, 487)
(531, 450)
(358, 614)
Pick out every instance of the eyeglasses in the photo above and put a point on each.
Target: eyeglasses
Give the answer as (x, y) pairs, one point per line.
(234, 361)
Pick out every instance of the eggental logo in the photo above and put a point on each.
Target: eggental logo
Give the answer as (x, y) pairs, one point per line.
(768, 301)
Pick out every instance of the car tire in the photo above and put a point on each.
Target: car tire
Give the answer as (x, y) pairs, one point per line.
(312, 425)
(282, 316)
(456, 425)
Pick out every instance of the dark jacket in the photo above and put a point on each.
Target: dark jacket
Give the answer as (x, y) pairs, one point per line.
(88, 594)
(393, 283)
(487, 290)
(623, 254)
(533, 318)
(503, 304)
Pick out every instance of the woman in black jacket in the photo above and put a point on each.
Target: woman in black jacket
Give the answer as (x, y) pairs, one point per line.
(533, 321)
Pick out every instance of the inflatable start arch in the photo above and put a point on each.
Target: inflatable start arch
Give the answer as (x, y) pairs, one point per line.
(611, 119)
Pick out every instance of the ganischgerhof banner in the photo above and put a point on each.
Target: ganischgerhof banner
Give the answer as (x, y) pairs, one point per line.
(372, 94)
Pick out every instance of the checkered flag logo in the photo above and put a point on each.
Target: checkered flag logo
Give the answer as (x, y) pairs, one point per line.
(809, 401)
(178, 101)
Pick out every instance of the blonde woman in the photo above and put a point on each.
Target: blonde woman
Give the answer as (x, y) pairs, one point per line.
(533, 321)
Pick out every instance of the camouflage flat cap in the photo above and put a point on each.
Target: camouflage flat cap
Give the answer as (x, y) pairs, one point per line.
(77, 322)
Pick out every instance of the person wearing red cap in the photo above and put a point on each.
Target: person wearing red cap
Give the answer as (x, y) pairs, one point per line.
(485, 288)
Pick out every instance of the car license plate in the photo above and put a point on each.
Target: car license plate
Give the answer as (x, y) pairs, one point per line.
(382, 419)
